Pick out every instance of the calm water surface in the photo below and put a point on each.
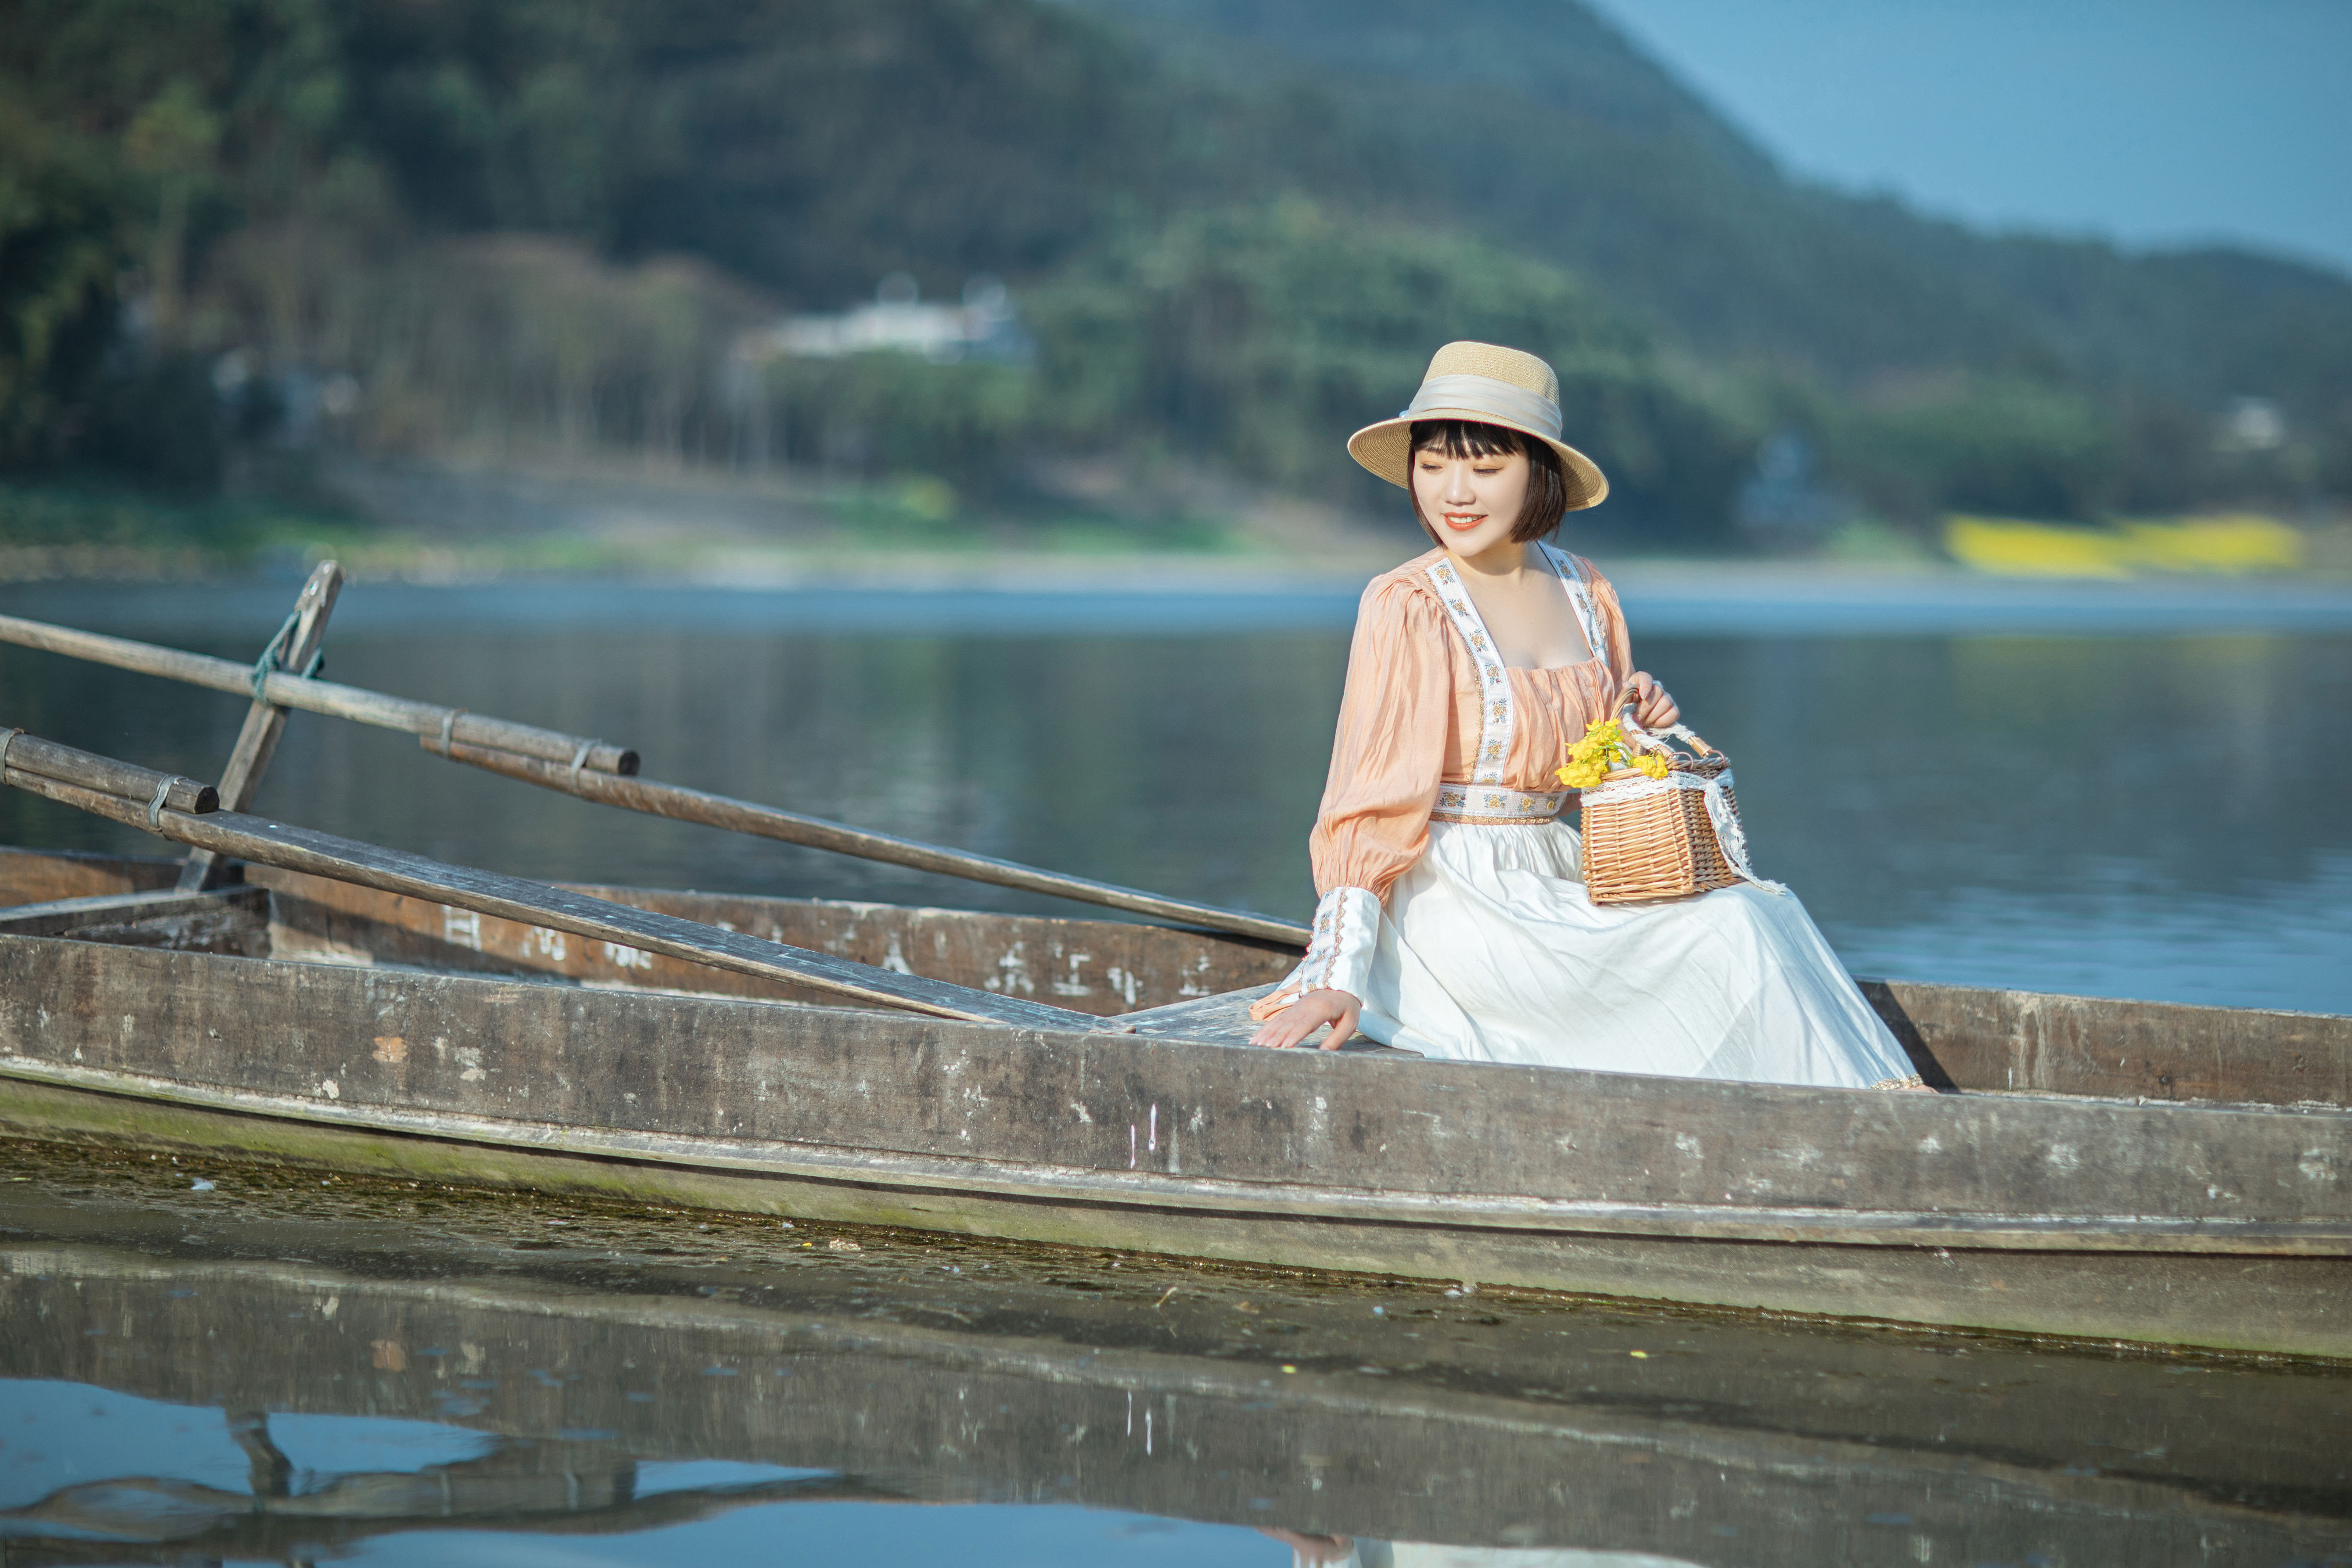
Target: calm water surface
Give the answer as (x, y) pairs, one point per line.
(279, 1368)
(219, 1363)
(2052, 804)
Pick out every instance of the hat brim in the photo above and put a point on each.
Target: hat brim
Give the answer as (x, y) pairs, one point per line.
(1386, 449)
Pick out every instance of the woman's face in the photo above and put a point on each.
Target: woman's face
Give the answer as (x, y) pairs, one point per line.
(1473, 504)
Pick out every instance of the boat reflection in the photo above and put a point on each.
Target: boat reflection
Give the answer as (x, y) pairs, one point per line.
(244, 1380)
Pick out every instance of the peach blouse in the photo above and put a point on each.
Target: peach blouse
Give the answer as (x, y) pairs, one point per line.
(1412, 719)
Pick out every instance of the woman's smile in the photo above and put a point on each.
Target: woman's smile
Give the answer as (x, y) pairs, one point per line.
(1463, 521)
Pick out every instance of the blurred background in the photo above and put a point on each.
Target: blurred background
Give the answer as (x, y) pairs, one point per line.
(902, 409)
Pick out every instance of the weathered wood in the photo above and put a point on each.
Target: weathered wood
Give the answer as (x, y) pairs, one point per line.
(1473, 1139)
(1100, 967)
(256, 742)
(511, 898)
(170, 917)
(1997, 1213)
(1990, 1039)
(43, 876)
(683, 804)
(28, 761)
(430, 720)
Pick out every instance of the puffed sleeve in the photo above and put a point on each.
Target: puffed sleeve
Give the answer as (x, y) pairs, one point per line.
(1386, 763)
(1618, 653)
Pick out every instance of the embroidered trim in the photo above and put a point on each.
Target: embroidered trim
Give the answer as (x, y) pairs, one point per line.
(1489, 804)
(1580, 595)
(1496, 716)
(1498, 713)
(1914, 1081)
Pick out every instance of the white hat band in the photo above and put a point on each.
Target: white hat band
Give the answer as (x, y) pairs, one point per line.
(1485, 394)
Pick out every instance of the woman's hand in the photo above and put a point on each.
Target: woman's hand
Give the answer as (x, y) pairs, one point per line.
(1309, 1013)
(1652, 709)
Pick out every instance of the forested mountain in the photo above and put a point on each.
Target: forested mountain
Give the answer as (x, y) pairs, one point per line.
(1233, 225)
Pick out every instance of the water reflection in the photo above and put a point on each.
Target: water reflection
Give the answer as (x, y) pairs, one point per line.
(2123, 815)
(287, 1368)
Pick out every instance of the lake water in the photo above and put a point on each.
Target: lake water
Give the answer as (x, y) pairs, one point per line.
(2026, 788)
(282, 1368)
(2131, 794)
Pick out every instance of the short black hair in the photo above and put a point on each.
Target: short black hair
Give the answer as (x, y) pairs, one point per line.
(1546, 501)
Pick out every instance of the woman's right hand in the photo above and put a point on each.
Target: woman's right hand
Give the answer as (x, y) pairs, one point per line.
(1309, 1013)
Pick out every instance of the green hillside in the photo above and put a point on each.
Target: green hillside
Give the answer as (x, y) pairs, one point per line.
(514, 228)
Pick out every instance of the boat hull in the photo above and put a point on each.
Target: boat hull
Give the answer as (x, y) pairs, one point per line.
(2218, 1226)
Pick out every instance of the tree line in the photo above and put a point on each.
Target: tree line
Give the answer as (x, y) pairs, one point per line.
(507, 227)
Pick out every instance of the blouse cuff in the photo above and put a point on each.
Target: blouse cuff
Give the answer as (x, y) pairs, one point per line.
(1339, 955)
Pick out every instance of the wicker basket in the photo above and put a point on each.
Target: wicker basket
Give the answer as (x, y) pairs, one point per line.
(1660, 845)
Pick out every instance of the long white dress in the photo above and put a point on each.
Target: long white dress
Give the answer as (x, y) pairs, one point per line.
(1452, 900)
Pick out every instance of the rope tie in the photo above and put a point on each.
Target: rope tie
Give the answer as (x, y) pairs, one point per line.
(155, 806)
(273, 659)
(448, 728)
(579, 761)
(8, 741)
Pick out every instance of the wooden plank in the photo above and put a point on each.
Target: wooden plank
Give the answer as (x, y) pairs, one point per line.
(109, 914)
(40, 876)
(430, 720)
(257, 742)
(1104, 968)
(511, 898)
(683, 804)
(1986, 1039)
(1067, 1114)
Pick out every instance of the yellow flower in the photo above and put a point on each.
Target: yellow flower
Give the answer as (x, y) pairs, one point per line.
(1652, 763)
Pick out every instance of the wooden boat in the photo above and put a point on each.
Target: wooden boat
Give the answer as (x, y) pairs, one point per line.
(1480, 1422)
(2114, 1170)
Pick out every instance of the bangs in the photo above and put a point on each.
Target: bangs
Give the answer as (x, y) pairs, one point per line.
(1466, 439)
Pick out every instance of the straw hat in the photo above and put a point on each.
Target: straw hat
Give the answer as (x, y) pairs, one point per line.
(1491, 386)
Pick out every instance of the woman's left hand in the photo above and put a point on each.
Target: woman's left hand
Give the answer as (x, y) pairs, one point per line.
(1652, 709)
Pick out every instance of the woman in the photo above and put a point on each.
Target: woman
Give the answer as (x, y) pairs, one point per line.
(1454, 920)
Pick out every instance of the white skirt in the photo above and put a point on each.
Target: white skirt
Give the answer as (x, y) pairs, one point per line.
(1489, 951)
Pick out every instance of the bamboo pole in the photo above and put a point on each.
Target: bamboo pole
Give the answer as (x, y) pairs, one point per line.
(428, 720)
(508, 898)
(683, 805)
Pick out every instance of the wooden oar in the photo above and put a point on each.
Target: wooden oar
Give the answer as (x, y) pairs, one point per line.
(593, 770)
(183, 810)
(676, 801)
(430, 720)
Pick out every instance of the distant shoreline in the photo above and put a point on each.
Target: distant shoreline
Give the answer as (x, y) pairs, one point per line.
(1179, 596)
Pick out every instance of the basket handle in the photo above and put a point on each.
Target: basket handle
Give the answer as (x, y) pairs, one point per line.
(1656, 740)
